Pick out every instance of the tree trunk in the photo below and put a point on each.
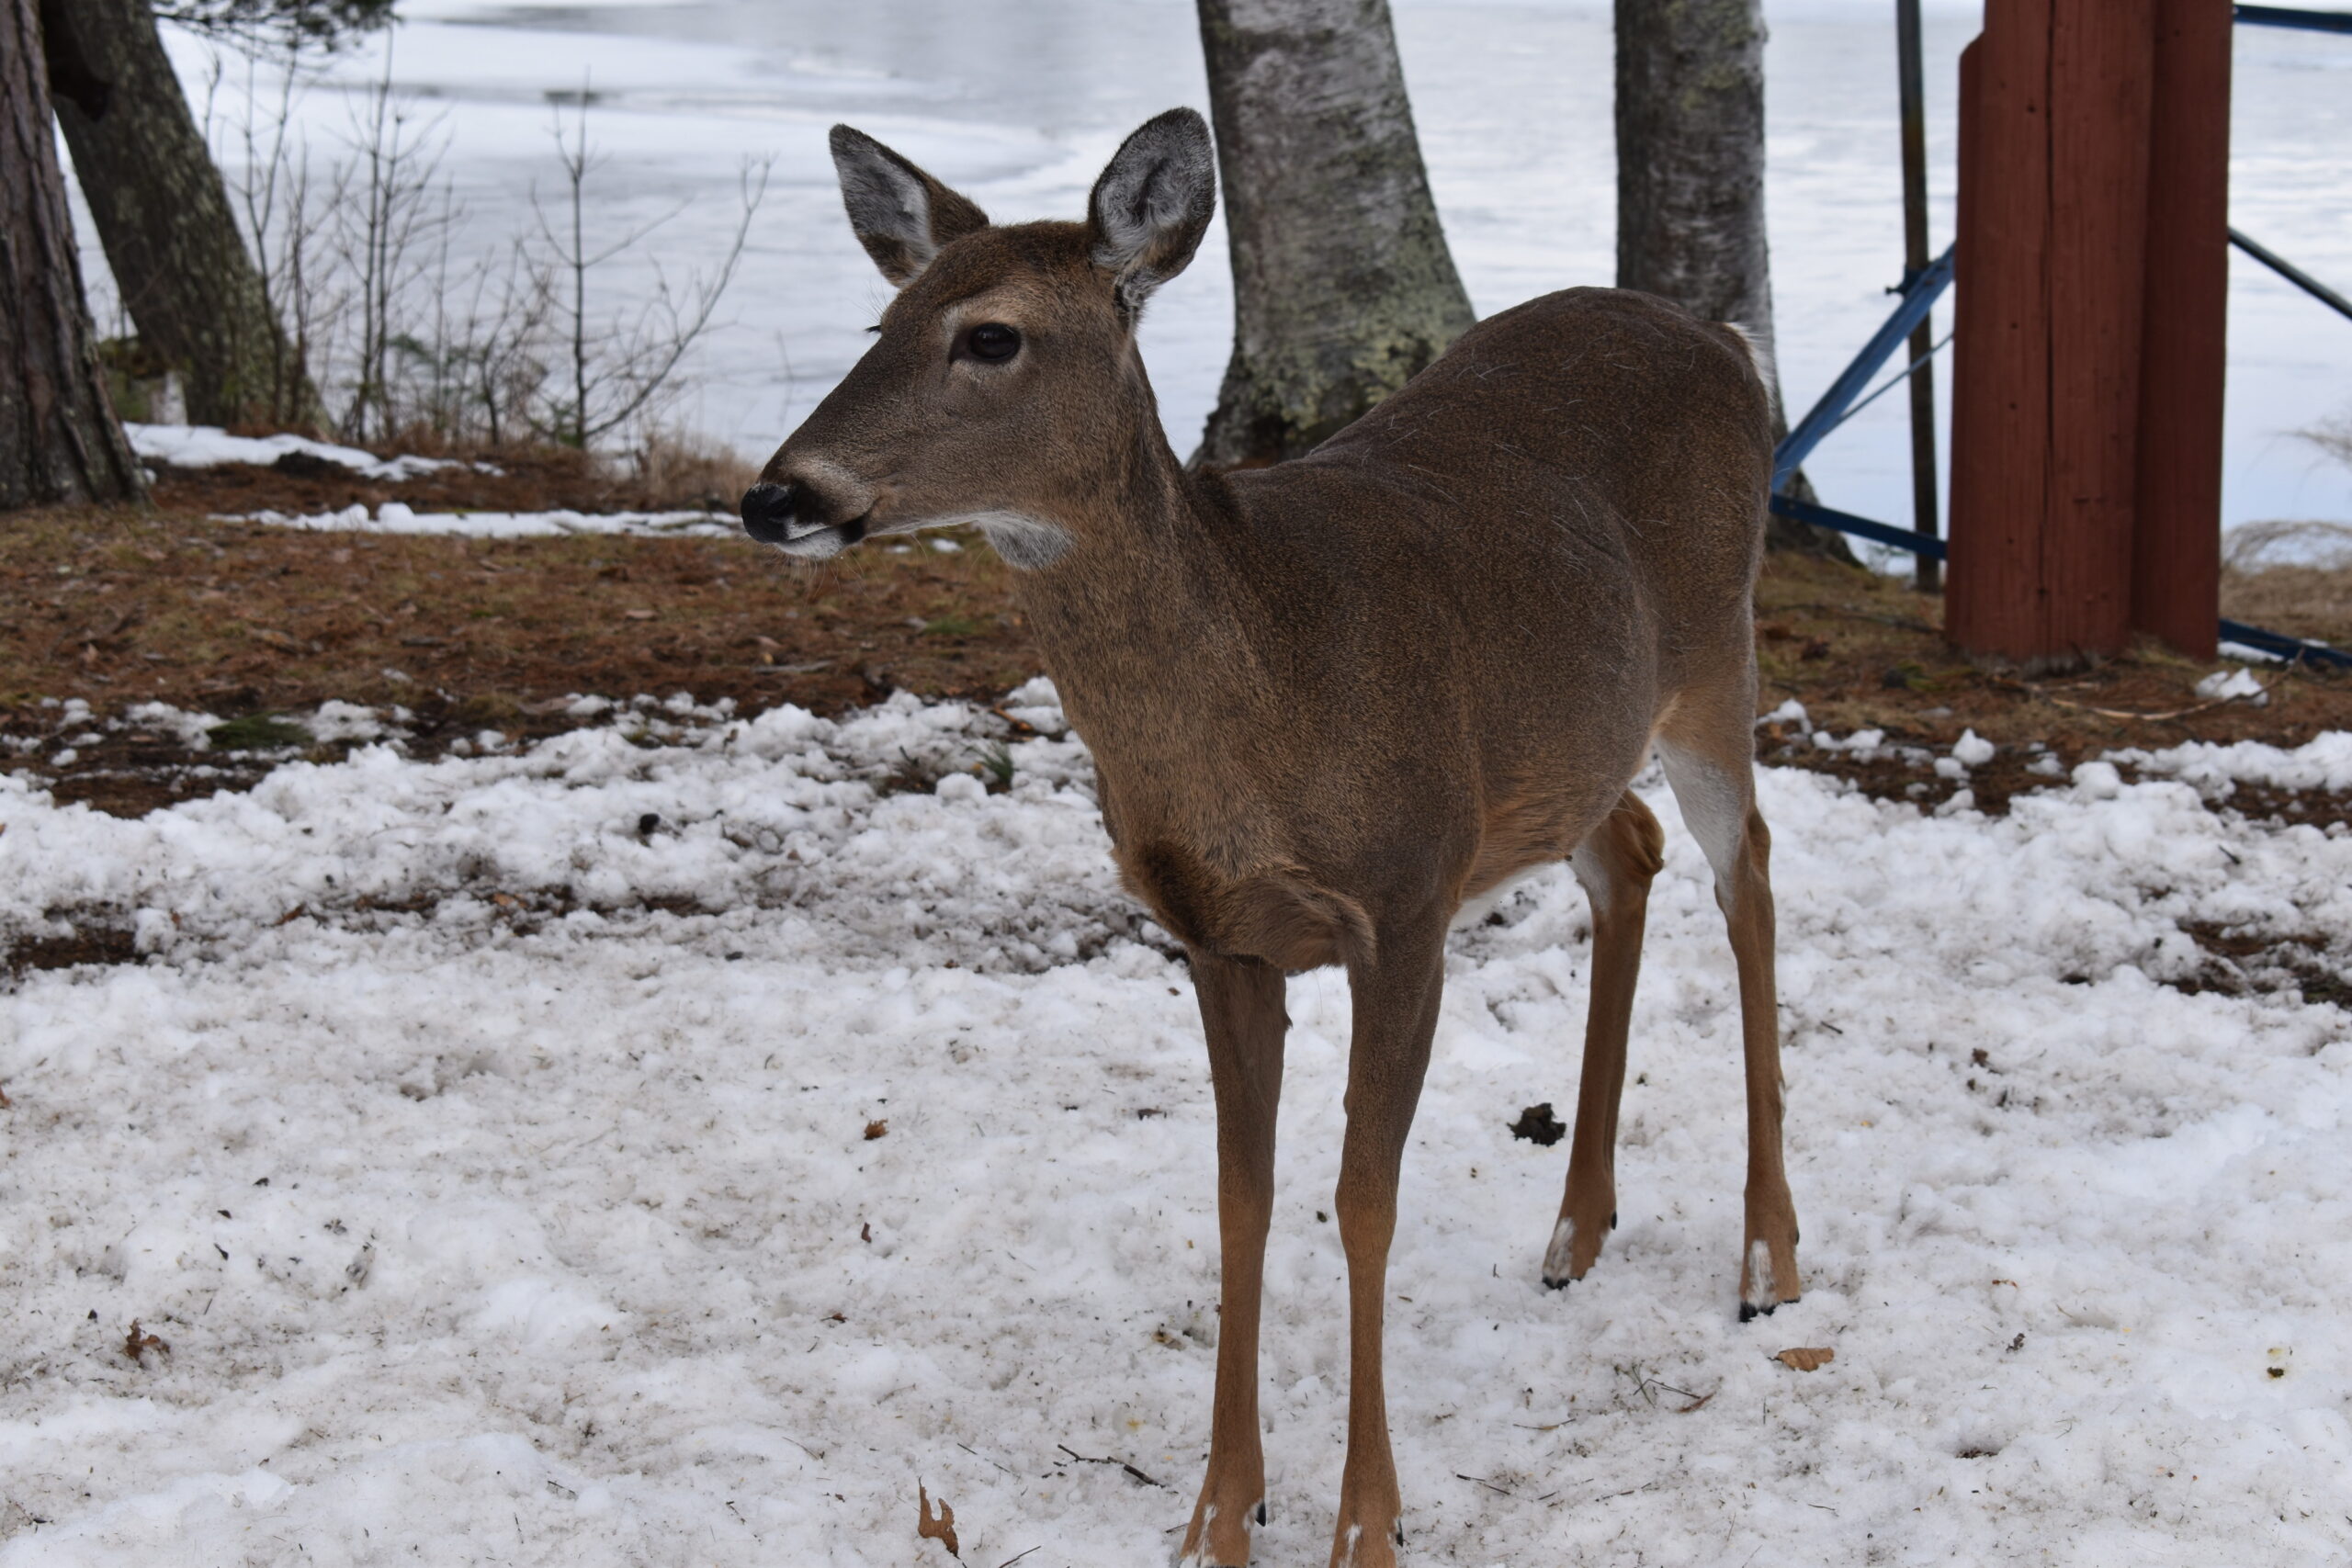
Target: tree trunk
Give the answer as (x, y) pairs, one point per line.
(1691, 180)
(164, 217)
(1342, 286)
(59, 441)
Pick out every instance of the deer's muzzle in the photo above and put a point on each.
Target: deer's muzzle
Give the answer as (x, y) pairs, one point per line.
(793, 518)
(767, 513)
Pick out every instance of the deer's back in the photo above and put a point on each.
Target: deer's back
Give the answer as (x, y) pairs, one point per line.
(1513, 564)
(1589, 430)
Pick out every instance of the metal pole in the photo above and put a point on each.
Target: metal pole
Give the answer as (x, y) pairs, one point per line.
(1930, 577)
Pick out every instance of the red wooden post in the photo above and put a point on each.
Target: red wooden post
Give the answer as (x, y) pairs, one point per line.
(2000, 438)
(2052, 270)
(2176, 545)
(2102, 69)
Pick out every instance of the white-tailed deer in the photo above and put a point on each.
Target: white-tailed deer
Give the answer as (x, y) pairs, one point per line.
(1329, 700)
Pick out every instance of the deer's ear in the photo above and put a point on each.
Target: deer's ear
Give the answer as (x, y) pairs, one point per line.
(1153, 202)
(901, 215)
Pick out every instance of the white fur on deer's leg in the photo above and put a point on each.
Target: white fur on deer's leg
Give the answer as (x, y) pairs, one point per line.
(1558, 1257)
(1219, 1537)
(1755, 1291)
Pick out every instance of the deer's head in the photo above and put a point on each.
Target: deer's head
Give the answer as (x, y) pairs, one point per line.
(1003, 385)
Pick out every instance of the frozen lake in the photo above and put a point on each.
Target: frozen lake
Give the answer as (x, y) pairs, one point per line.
(1019, 102)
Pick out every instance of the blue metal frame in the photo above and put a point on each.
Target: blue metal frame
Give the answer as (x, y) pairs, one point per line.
(1920, 296)
(2292, 17)
(2293, 650)
(2292, 274)
(1861, 527)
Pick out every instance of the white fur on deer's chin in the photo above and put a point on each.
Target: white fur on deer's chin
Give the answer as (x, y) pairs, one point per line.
(1026, 542)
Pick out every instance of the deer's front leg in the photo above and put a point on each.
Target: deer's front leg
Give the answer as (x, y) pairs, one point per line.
(1242, 1010)
(1395, 1007)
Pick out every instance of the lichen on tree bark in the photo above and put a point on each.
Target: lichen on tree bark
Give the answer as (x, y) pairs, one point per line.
(1342, 284)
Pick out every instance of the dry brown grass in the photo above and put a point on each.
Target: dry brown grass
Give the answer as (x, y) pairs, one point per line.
(236, 619)
(677, 471)
(2307, 601)
(2291, 577)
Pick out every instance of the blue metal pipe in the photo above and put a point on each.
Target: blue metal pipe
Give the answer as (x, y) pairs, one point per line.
(1861, 527)
(2292, 274)
(2294, 649)
(1919, 295)
(2292, 17)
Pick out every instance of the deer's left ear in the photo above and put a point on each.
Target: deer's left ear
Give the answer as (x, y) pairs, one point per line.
(901, 215)
(1153, 202)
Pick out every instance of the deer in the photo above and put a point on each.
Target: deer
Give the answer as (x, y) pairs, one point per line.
(1331, 700)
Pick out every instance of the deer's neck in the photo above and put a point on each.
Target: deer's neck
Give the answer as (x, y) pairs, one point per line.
(1142, 622)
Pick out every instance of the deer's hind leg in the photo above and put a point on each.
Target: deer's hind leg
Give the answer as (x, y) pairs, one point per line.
(1615, 863)
(1709, 750)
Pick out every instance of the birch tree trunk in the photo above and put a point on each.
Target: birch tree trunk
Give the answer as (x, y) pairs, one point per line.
(59, 441)
(1342, 286)
(1690, 179)
(164, 216)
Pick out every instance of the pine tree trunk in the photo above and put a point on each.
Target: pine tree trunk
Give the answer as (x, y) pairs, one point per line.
(1342, 286)
(169, 235)
(1690, 178)
(59, 441)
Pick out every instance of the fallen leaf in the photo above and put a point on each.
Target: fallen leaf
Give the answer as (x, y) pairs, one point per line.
(637, 614)
(876, 1129)
(940, 1528)
(136, 1344)
(1806, 1359)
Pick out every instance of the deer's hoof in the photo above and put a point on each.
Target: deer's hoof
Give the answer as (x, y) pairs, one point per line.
(1769, 1279)
(1572, 1253)
(1215, 1543)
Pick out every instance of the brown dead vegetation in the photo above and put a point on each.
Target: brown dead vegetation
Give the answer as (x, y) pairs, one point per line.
(664, 473)
(1866, 652)
(242, 619)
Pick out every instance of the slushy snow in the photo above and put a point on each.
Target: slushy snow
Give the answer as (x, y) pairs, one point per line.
(674, 1140)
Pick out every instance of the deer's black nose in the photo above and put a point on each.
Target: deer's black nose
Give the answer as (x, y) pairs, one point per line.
(767, 513)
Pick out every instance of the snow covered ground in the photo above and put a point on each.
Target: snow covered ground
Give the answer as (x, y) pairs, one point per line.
(208, 445)
(662, 1146)
(399, 517)
(1020, 102)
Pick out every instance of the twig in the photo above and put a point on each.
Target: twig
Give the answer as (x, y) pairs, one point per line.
(2126, 712)
(1485, 1482)
(1123, 1464)
(1016, 1557)
(1902, 623)
(976, 1454)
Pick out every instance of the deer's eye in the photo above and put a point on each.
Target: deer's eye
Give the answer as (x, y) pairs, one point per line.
(992, 342)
